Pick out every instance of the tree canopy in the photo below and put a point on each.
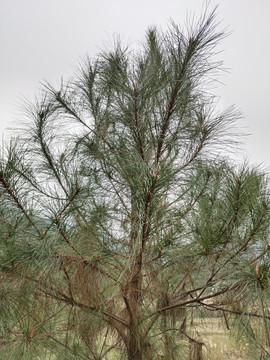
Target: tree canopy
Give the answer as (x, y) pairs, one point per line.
(121, 221)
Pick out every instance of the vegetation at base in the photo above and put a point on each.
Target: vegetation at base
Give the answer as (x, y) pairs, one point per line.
(121, 222)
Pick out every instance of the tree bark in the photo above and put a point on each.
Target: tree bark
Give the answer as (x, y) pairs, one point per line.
(132, 296)
(195, 350)
(135, 346)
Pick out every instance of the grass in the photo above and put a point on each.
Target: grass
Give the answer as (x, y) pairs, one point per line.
(218, 344)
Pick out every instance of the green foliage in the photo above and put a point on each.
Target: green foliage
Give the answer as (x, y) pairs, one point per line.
(119, 220)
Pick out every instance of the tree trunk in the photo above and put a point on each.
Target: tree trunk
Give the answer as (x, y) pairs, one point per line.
(132, 297)
(195, 350)
(132, 293)
(134, 351)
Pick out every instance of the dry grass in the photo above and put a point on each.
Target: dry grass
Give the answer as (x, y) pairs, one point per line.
(218, 344)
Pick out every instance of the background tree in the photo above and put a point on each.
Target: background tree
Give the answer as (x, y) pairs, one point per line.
(119, 222)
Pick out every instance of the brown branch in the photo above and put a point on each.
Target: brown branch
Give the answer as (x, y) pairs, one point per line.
(145, 227)
(46, 152)
(192, 301)
(167, 119)
(109, 349)
(65, 106)
(195, 154)
(7, 187)
(172, 102)
(52, 315)
(242, 248)
(62, 344)
(236, 312)
(138, 132)
(104, 342)
(64, 236)
(154, 258)
(86, 262)
(66, 299)
(73, 196)
(69, 283)
(189, 208)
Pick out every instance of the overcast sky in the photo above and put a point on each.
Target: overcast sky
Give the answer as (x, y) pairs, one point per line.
(44, 40)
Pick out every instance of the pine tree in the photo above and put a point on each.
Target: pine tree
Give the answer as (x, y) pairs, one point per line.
(120, 221)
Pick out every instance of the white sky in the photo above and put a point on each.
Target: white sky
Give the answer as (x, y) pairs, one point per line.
(43, 40)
